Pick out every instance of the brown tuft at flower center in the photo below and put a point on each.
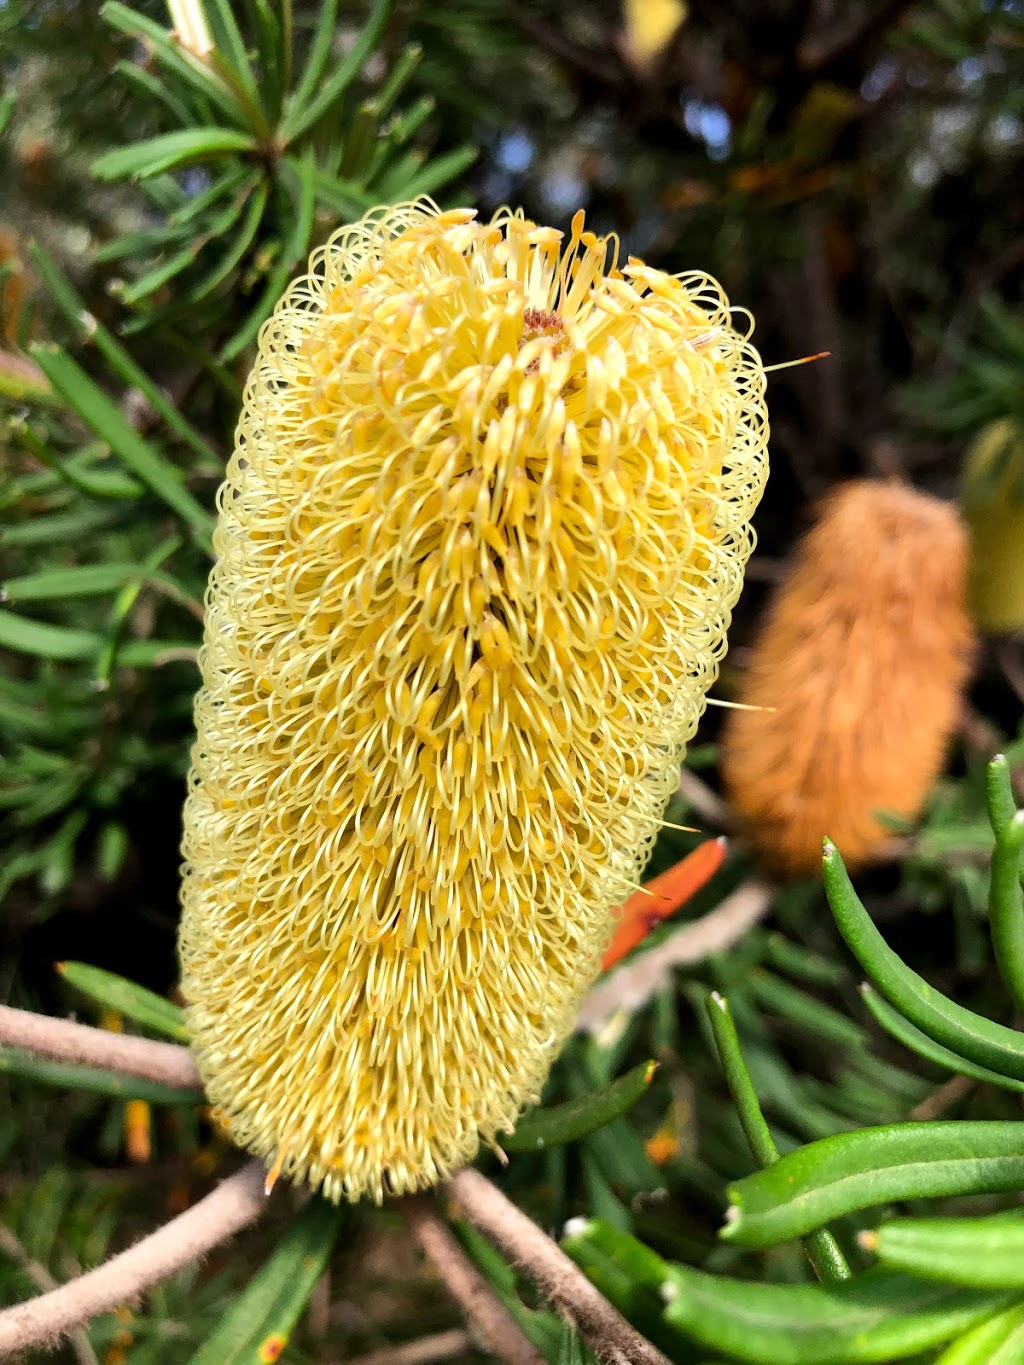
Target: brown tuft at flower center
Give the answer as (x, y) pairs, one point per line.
(540, 322)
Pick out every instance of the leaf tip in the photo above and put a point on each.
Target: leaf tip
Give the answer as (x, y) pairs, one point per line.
(732, 1219)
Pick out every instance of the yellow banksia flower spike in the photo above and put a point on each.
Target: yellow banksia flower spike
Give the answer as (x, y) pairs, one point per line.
(477, 549)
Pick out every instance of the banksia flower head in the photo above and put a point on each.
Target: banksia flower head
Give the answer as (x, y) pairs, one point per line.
(477, 549)
(862, 659)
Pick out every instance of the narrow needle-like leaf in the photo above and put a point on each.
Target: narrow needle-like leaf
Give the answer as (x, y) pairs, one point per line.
(822, 1249)
(567, 1122)
(961, 1030)
(1005, 897)
(127, 997)
(99, 413)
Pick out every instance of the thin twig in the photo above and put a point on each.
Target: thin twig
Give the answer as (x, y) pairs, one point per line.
(708, 804)
(631, 986)
(70, 1042)
(80, 1345)
(438, 1346)
(602, 1327)
(939, 1101)
(494, 1324)
(41, 1322)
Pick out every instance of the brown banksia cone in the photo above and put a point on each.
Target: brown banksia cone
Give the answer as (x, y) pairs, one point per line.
(862, 657)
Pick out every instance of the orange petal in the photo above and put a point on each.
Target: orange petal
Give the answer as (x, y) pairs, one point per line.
(663, 896)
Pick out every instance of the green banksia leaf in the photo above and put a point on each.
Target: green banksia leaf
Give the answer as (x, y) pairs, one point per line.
(478, 545)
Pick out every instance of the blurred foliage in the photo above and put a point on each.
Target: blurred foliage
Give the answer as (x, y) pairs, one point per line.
(853, 175)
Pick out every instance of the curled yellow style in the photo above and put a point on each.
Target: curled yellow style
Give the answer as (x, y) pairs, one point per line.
(478, 544)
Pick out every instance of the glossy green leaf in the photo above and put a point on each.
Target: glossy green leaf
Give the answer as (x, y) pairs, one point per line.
(343, 197)
(822, 1249)
(197, 75)
(26, 636)
(105, 419)
(405, 124)
(602, 1201)
(779, 997)
(79, 470)
(216, 226)
(294, 248)
(273, 52)
(638, 1301)
(112, 847)
(57, 528)
(568, 1122)
(127, 998)
(86, 580)
(260, 1321)
(197, 205)
(242, 241)
(152, 280)
(904, 1032)
(317, 57)
(1006, 897)
(999, 1341)
(157, 90)
(741, 1088)
(82, 470)
(878, 1316)
(986, 1253)
(802, 963)
(156, 653)
(308, 107)
(999, 797)
(396, 178)
(170, 152)
(408, 60)
(231, 45)
(979, 1040)
(873, 1166)
(122, 607)
(360, 140)
(93, 1080)
(439, 171)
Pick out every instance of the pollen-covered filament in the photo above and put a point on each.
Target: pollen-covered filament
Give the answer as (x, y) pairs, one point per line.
(477, 548)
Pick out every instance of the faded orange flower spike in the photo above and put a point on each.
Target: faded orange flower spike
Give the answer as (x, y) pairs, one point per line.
(477, 548)
(860, 666)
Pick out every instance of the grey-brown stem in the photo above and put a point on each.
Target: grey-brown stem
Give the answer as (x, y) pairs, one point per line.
(43, 1321)
(70, 1042)
(495, 1326)
(602, 1326)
